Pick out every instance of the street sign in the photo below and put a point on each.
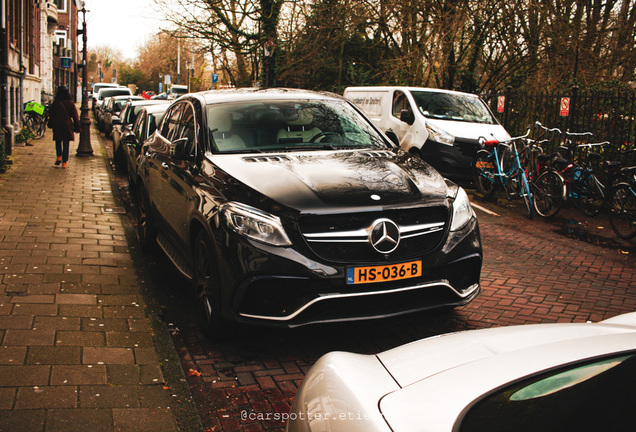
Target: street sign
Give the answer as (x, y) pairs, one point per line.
(501, 104)
(65, 62)
(160, 87)
(215, 77)
(565, 106)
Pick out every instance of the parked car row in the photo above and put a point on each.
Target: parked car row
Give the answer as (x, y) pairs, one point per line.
(287, 207)
(125, 124)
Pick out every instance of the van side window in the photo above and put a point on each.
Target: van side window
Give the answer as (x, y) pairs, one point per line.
(400, 102)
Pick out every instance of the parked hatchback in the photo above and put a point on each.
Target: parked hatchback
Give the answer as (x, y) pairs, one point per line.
(288, 207)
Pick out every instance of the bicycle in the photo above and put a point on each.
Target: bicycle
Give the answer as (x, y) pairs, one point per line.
(546, 184)
(35, 117)
(489, 171)
(621, 203)
(583, 187)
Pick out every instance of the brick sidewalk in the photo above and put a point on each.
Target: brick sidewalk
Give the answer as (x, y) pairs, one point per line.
(82, 346)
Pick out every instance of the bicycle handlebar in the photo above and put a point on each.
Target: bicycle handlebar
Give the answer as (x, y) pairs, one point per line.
(539, 125)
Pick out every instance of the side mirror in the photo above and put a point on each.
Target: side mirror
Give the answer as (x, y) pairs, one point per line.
(407, 116)
(393, 137)
(180, 149)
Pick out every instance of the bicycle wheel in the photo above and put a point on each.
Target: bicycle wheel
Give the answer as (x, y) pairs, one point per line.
(484, 172)
(39, 128)
(508, 164)
(622, 210)
(592, 196)
(548, 193)
(525, 192)
(30, 123)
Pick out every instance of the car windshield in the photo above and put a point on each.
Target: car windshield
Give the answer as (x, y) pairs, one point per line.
(452, 106)
(287, 126)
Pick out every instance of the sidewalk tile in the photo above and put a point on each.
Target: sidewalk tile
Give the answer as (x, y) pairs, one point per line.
(78, 375)
(55, 355)
(46, 397)
(108, 356)
(144, 420)
(81, 419)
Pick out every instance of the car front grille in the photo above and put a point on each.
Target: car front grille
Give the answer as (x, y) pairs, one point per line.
(343, 238)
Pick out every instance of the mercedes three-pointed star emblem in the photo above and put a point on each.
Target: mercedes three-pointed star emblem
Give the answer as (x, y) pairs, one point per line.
(384, 236)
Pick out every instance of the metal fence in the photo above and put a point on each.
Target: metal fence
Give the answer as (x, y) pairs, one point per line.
(609, 115)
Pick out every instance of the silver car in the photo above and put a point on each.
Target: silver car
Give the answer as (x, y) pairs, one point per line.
(547, 377)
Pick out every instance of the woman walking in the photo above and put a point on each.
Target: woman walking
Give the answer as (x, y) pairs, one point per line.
(64, 121)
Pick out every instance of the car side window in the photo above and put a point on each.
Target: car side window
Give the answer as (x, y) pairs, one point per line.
(171, 122)
(586, 396)
(187, 128)
(400, 102)
(139, 126)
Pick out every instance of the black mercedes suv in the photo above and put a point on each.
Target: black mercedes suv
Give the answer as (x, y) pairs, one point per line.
(288, 207)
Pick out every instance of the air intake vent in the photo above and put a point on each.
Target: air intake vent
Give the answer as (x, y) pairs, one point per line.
(267, 159)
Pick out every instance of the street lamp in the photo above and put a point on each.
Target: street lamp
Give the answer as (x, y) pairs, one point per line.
(84, 148)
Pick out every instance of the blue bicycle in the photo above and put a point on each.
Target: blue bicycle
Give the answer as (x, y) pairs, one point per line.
(490, 171)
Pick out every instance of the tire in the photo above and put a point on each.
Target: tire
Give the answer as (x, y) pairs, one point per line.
(621, 204)
(484, 172)
(120, 158)
(146, 230)
(593, 197)
(525, 193)
(39, 128)
(205, 282)
(548, 193)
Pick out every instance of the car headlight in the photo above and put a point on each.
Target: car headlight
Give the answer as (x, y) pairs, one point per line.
(462, 211)
(439, 135)
(254, 224)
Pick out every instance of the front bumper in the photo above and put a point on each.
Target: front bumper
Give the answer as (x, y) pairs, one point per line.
(282, 287)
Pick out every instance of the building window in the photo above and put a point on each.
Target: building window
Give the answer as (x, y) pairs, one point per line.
(61, 5)
(60, 38)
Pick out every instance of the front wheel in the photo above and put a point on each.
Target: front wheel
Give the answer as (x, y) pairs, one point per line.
(548, 193)
(206, 287)
(622, 210)
(593, 196)
(484, 172)
(525, 192)
(145, 226)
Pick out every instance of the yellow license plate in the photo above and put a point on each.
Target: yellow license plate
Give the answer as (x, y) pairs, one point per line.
(485, 165)
(360, 275)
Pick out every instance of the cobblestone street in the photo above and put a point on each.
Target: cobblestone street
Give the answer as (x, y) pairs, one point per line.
(570, 269)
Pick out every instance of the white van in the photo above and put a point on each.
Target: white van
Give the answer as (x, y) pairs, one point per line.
(445, 127)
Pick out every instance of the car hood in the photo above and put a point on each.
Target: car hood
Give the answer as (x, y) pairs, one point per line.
(471, 131)
(322, 180)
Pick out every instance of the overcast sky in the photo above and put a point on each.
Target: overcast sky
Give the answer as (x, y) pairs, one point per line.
(120, 24)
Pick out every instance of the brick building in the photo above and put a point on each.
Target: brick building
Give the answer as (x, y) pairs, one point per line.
(38, 51)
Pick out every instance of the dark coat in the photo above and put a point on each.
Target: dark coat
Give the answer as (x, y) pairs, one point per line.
(64, 120)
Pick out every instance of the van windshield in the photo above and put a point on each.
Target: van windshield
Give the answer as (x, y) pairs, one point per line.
(451, 106)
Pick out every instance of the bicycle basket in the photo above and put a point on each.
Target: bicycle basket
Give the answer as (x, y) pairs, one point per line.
(34, 107)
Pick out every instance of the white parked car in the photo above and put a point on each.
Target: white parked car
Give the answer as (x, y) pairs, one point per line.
(543, 377)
